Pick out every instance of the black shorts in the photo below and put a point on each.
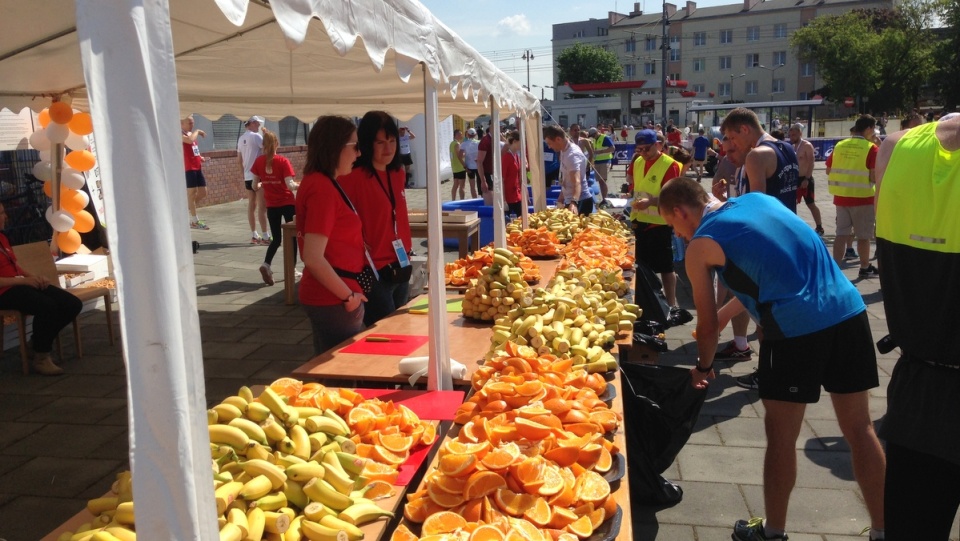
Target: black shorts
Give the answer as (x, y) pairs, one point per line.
(585, 206)
(810, 195)
(472, 174)
(195, 179)
(248, 184)
(840, 358)
(655, 247)
(462, 175)
(406, 159)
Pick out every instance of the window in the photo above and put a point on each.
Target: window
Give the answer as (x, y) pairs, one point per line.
(698, 88)
(803, 96)
(751, 87)
(674, 76)
(779, 58)
(780, 30)
(650, 44)
(807, 69)
(699, 39)
(726, 36)
(292, 132)
(753, 33)
(725, 63)
(601, 31)
(629, 71)
(650, 68)
(675, 49)
(753, 60)
(723, 89)
(226, 130)
(630, 45)
(779, 86)
(699, 64)
(578, 34)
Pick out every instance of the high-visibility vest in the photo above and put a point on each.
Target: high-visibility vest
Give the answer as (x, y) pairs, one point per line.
(849, 176)
(648, 185)
(455, 164)
(597, 145)
(920, 194)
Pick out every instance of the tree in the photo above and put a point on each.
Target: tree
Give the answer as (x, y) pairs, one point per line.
(881, 57)
(588, 64)
(946, 78)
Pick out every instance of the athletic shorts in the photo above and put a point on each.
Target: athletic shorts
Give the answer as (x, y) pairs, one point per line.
(841, 359)
(809, 197)
(655, 247)
(195, 179)
(857, 221)
(248, 184)
(406, 159)
(472, 174)
(462, 175)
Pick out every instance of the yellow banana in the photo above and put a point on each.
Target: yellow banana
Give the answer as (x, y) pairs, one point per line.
(256, 488)
(257, 412)
(237, 517)
(293, 532)
(271, 502)
(246, 394)
(229, 435)
(321, 491)
(255, 524)
(301, 441)
(121, 533)
(225, 495)
(363, 512)
(346, 444)
(231, 532)
(125, 513)
(317, 440)
(320, 423)
(275, 522)
(305, 411)
(278, 407)
(227, 413)
(302, 473)
(257, 451)
(237, 401)
(289, 512)
(351, 463)
(273, 472)
(273, 430)
(353, 533)
(285, 461)
(330, 414)
(315, 531)
(251, 429)
(211, 417)
(286, 446)
(315, 511)
(103, 535)
(339, 480)
(295, 494)
(100, 505)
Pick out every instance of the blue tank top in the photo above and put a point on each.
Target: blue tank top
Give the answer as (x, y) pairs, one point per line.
(779, 268)
(784, 182)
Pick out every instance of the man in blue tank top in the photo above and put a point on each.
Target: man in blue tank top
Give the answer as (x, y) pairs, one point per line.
(812, 324)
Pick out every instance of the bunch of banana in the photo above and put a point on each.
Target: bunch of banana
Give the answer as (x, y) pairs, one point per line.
(606, 222)
(562, 222)
(499, 288)
(592, 278)
(279, 472)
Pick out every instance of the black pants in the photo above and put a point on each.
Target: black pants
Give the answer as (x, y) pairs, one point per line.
(52, 310)
(921, 495)
(274, 214)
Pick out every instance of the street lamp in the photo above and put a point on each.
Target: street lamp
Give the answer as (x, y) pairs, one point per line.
(773, 75)
(732, 77)
(542, 96)
(528, 56)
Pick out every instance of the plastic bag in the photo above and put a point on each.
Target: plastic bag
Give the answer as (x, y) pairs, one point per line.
(648, 294)
(661, 409)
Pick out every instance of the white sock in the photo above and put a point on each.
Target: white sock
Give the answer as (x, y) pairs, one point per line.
(741, 342)
(194, 219)
(254, 234)
(265, 235)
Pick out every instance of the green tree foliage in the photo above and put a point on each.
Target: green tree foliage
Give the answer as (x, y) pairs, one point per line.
(881, 57)
(946, 56)
(588, 64)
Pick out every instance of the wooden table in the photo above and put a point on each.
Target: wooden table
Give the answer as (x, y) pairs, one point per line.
(468, 342)
(463, 232)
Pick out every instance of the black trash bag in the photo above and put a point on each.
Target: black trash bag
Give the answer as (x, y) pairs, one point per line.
(660, 410)
(648, 294)
(651, 342)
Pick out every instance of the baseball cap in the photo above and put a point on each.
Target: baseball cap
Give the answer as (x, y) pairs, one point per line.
(471, 131)
(645, 137)
(253, 119)
(593, 132)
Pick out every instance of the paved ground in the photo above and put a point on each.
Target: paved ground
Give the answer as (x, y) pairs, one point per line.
(63, 439)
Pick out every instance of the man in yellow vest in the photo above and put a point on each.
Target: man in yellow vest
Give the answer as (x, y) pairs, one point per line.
(918, 247)
(602, 157)
(851, 179)
(651, 170)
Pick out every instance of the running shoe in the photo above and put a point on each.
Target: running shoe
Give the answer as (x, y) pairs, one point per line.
(850, 254)
(732, 354)
(255, 240)
(267, 274)
(297, 274)
(869, 272)
(199, 225)
(750, 381)
(820, 230)
(752, 530)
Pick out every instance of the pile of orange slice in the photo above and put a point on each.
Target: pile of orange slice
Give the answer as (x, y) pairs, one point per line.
(594, 249)
(386, 433)
(539, 242)
(460, 272)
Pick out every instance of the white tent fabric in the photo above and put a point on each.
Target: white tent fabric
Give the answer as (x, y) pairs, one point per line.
(130, 62)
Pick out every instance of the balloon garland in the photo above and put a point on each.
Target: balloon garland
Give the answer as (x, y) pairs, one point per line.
(62, 126)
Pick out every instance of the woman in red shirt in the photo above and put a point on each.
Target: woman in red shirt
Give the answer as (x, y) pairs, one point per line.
(330, 235)
(275, 174)
(377, 186)
(512, 175)
(51, 307)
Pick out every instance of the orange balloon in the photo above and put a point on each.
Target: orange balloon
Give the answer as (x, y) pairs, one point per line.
(44, 118)
(48, 188)
(73, 201)
(81, 160)
(60, 112)
(84, 221)
(81, 124)
(68, 241)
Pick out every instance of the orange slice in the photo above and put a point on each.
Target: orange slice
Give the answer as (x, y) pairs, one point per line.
(552, 481)
(487, 532)
(540, 513)
(502, 457)
(511, 503)
(456, 447)
(582, 527)
(456, 465)
(482, 483)
(287, 387)
(531, 430)
(593, 488)
(402, 533)
(442, 498)
(443, 522)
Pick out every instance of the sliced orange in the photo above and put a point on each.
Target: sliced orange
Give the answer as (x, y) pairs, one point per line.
(429, 435)
(442, 522)
(589, 455)
(523, 530)
(456, 465)
(605, 462)
(487, 532)
(456, 447)
(419, 509)
(402, 533)
(453, 485)
(482, 483)
(288, 387)
(561, 517)
(607, 419)
(597, 516)
(592, 487)
(472, 510)
(582, 527)
(539, 513)
(465, 412)
(396, 443)
(502, 457)
(568, 495)
(491, 513)
(382, 455)
(511, 503)
(443, 498)
(376, 490)
(562, 456)
(531, 430)
(552, 481)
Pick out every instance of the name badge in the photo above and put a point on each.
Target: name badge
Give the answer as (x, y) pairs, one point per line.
(401, 253)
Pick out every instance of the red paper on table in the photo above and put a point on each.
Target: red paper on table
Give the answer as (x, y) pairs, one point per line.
(396, 344)
(432, 405)
(413, 463)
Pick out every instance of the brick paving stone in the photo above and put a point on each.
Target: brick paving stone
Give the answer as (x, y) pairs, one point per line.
(713, 504)
(233, 368)
(79, 410)
(27, 517)
(84, 385)
(817, 510)
(63, 441)
(49, 476)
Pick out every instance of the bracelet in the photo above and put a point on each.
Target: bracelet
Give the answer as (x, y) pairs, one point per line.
(704, 370)
(350, 296)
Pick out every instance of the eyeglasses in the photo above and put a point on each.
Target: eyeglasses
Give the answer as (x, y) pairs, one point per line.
(644, 149)
(354, 145)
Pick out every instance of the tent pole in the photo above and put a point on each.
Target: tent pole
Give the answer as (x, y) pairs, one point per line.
(499, 232)
(534, 141)
(438, 371)
(525, 200)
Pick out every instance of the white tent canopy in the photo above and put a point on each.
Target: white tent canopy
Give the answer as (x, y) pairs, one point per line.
(136, 64)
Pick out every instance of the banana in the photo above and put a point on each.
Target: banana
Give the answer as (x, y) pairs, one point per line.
(278, 407)
(333, 446)
(353, 533)
(273, 472)
(255, 524)
(317, 440)
(273, 430)
(285, 461)
(229, 435)
(211, 417)
(121, 533)
(239, 518)
(271, 502)
(237, 401)
(250, 428)
(275, 522)
(346, 444)
(246, 394)
(293, 417)
(286, 446)
(257, 451)
(125, 513)
(315, 511)
(363, 512)
(256, 488)
(103, 535)
(351, 463)
(102, 505)
(226, 494)
(330, 414)
(339, 480)
(315, 531)
(302, 473)
(231, 532)
(257, 412)
(321, 491)
(227, 413)
(301, 441)
(293, 533)
(322, 423)
(305, 411)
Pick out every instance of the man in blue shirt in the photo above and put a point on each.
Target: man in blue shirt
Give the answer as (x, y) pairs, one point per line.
(701, 147)
(551, 165)
(813, 331)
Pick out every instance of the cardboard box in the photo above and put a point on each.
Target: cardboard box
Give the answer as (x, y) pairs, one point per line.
(97, 264)
(73, 279)
(448, 216)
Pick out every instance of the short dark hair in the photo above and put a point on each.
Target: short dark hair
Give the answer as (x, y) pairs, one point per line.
(552, 132)
(513, 135)
(738, 117)
(370, 126)
(682, 191)
(863, 123)
(679, 154)
(778, 135)
(325, 142)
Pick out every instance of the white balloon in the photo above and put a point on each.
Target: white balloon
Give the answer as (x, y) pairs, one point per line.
(71, 178)
(77, 142)
(85, 197)
(57, 133)
(39, 141)
(44, 155)
(61, 221)
(43, 171)
(48, 213)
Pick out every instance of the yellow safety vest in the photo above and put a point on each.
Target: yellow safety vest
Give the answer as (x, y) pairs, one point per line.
(597, 145)
(455, 163)
(648, 185)
(849, 176)
(920, 194)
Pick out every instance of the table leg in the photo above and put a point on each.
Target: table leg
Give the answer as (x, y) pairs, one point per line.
(289, 266)
(476, 239)
(463, 243)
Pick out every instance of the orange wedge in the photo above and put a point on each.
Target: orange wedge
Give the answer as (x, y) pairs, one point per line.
(442, 522)
(482, 483)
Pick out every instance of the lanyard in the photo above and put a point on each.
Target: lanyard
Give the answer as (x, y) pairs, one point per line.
(390, 196)
(350, 204)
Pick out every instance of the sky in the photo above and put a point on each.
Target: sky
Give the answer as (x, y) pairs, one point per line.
(503, 30)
